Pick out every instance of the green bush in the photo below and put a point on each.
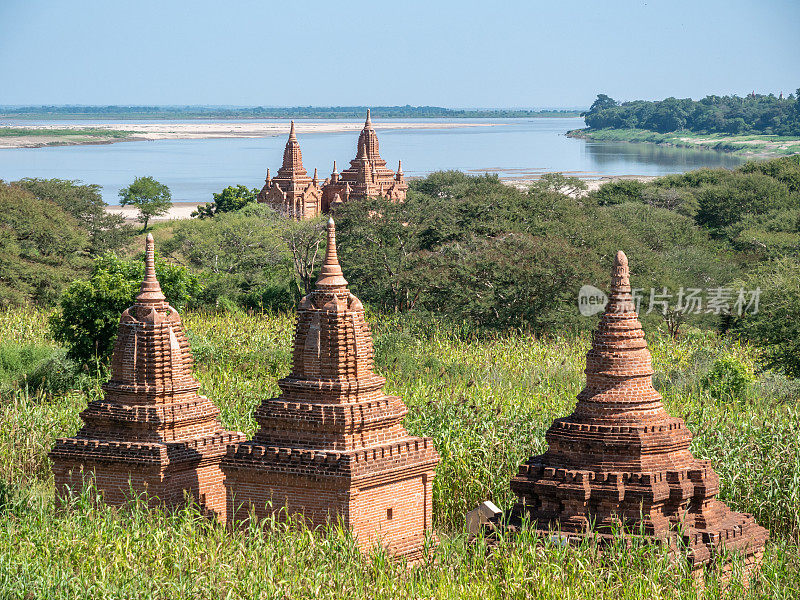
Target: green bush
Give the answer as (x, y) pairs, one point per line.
(728, 378)
(617, 192)
(775, 328)
(36, 367)
(89, 310)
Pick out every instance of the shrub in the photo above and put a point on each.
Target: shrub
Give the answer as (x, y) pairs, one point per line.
(775, 328)
(35, 366)
(617, 192)
(89, 310)
(728, 378)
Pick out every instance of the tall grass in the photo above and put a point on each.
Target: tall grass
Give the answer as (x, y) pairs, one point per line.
(486, 400)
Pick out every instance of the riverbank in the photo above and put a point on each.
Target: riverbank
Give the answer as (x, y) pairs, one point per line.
(750, 146)
(40, 136)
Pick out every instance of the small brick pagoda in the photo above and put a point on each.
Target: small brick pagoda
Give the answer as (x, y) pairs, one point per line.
(332, 445)
(620, 460)
(151, 432)
(292, 192)
(367, 176)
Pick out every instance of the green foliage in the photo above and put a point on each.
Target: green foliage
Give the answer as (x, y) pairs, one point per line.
(41, 248)
(713, 114)
(230, 199)
(617, 192)
(245, 255)
(728, 378)
(84, 202)
(149, 196)
(89, 310)
(559, 184)
(754, 209)
(473, 248)
(36, 366)
(775, 328)
(741, 194)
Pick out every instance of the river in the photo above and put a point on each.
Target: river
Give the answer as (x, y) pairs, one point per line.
(195, 168)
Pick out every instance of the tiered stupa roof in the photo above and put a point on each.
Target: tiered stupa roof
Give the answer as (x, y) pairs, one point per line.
(151, 427)
(292, 191)
(620, 459)
(367, 176)
(333, 443)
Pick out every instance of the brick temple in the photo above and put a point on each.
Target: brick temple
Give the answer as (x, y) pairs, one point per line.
(368, 175)
(620, 460)
(151, 432)
(332, 445)
(293, 193)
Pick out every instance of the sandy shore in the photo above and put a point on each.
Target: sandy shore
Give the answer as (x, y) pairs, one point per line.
(179, 210)
(188, 131)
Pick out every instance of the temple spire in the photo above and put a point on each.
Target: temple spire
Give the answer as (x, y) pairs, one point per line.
(292, 134)
(331, 274)
(150, 290)
(368, 122)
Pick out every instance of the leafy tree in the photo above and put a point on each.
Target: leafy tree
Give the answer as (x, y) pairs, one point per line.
(602, 102)
(89, 310)
(41, 248)
(775, 328)
(558, 183)
(738, 195)
(84, 202)
(305, 241)
(617, 192)
(713, 114)
(230, 199)
(243, 252)
(149, 196)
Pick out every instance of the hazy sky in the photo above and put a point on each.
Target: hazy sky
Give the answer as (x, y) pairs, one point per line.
(440, 52)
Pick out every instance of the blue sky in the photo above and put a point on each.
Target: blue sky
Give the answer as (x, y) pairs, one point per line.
(446, 53)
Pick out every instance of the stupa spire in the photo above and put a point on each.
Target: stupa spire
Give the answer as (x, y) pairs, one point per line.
(368, 122)
(292, 134)
(150, 290)
(331, 274)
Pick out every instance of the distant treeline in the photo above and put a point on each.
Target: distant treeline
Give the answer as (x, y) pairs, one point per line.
(753, 114)
(265, 112)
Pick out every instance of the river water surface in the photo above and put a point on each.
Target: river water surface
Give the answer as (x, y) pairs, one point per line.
(513, 148)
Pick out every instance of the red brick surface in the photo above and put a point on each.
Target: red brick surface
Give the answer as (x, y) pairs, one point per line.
(293, 193)
(333, 445)
(151, 431)
(367, 176)
(620, 460)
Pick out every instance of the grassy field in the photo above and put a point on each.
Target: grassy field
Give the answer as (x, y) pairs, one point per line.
(33, 137)
(761, 146)
(487, 402)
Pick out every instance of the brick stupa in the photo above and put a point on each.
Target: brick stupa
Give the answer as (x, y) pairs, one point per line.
(332, 445)
(292, 192)
(151, 432)
(619, 460)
